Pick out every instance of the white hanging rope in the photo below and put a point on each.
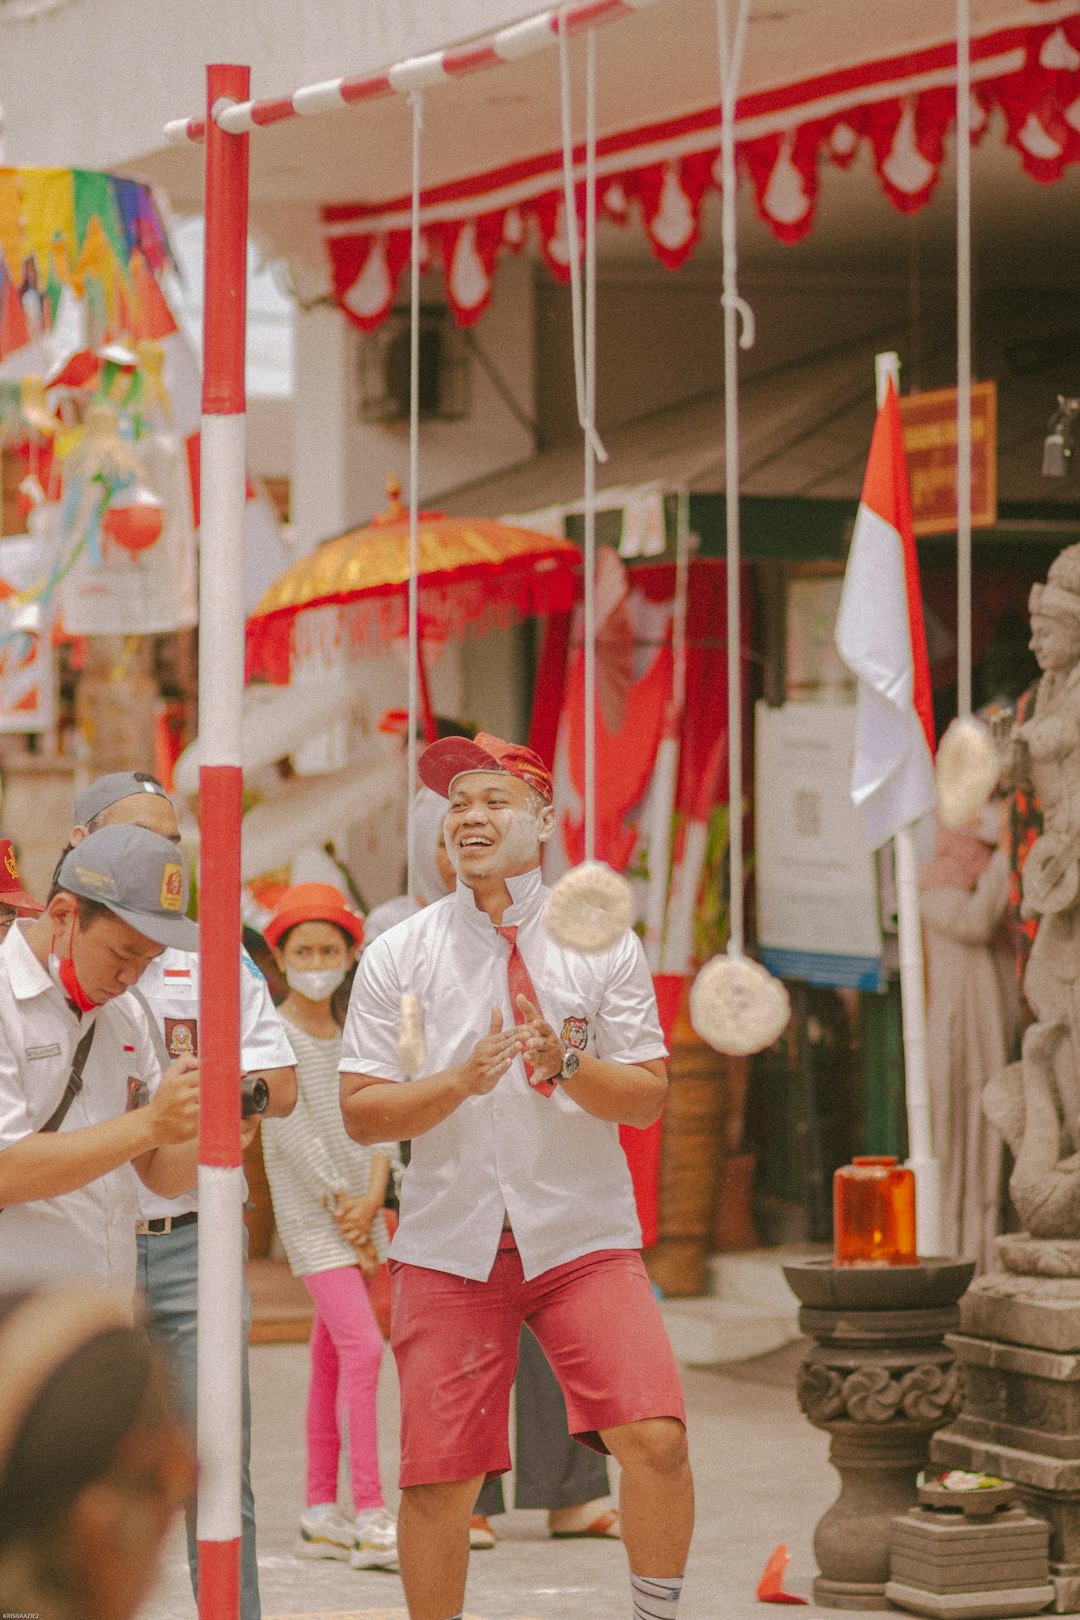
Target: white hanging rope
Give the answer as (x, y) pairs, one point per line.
(584, 341)
(731, 54)
(590, 906)
(968, 764)
(573, 236)
(682, 591)
(735, 1004)
(416, 102)
(963, 356)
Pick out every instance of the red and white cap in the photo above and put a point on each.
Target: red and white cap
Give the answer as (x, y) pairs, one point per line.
(452, 757)
(12, 893)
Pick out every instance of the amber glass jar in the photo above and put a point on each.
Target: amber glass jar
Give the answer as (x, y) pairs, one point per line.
(874, 1213)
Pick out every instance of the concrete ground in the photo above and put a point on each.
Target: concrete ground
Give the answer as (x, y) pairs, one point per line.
(762, 1478)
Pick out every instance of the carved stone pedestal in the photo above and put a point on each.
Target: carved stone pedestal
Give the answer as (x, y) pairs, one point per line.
(880, 1379)
(1020, 1348)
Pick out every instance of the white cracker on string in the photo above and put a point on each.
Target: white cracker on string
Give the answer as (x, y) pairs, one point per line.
(967, 770)
(737, 1006)
(589, 908)
(412, 1048)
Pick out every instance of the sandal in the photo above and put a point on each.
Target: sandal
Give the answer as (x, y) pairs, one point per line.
(481, 1535)
(605, 1527)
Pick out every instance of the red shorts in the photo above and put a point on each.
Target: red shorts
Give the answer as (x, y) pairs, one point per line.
(456, 1346)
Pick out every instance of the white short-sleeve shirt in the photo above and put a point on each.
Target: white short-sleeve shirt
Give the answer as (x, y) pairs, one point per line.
(558, 1173)
(170, 987)
(87, 1234)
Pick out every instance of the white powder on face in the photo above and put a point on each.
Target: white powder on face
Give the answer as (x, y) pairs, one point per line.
(516, 850)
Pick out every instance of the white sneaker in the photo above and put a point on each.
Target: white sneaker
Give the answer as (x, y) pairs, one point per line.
(375, 1540)
(326, 1532)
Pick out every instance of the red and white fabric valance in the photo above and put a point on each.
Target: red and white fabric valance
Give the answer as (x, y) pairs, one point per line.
(901, 107)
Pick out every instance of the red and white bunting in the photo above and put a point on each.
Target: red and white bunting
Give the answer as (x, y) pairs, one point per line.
(900, 107)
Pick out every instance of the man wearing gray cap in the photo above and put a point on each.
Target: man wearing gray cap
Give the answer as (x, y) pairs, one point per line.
(77, 1064)
(168, 1231)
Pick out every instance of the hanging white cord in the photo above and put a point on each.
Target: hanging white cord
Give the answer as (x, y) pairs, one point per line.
(963, 356)
(731, 53)
(584, 340)
(416, 101)
(682, 590)
(590, 907)
(968, 764)
(573, 237)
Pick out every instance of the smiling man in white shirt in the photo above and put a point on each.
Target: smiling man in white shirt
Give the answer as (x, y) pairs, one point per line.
(517, 1204)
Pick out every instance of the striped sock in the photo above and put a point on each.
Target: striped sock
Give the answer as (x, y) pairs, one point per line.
(655, 1597)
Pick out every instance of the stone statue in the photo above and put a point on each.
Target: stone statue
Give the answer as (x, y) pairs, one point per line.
(1035, 1103)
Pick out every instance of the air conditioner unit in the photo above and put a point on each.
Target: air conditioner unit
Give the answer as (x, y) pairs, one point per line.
(384, 366)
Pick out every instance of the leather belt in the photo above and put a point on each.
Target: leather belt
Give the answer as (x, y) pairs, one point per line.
(165, 1223)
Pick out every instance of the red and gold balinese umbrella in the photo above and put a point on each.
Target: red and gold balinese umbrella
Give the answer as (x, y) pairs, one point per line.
(351, 592)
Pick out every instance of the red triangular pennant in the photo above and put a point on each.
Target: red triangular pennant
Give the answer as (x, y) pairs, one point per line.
(770, 1588)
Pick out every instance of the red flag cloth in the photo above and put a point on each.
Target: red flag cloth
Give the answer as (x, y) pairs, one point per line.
(522, 985)
(881, 638)
(642, 1148)
(770, 1588)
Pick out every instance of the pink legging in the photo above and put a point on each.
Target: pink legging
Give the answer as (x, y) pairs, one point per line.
(346, 1350)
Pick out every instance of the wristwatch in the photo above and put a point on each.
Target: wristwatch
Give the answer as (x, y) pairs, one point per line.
(571, 1063)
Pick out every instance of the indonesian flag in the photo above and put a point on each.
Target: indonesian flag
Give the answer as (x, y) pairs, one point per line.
(881, 638)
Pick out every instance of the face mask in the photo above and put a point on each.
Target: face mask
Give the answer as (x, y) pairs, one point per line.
(62, 972)
(317, 986)
(62, 969)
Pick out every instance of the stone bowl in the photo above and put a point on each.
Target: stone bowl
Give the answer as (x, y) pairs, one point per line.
(975, 1503)
(931, 1283)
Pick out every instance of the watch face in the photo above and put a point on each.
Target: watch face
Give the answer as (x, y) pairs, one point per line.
(570, 1064)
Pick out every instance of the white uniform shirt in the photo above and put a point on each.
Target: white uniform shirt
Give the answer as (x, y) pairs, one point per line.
(170, 986)
(557, 1172)
(309, 1160)
(87, 1234)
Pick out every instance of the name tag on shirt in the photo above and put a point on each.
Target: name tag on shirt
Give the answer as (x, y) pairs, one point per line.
(52, 1050)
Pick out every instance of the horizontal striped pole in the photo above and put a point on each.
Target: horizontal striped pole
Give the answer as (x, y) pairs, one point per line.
(221, 690)
(414, 73)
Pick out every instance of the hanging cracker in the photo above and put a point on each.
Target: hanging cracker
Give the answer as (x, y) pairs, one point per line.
(412, 1048)
(589, 908)
(967, 770)
(737, 1006)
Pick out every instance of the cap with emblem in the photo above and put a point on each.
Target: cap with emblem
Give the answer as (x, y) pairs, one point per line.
(139, 876)
(111, 789)
(13, 896)
(451, 757)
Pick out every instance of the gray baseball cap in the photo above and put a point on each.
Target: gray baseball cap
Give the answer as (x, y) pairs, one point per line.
(141, 877)
(110, 789)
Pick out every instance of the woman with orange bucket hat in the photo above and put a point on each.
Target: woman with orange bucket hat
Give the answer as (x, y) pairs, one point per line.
(328, 1198)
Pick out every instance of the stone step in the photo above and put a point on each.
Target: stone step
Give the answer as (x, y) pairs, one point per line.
(755, 1277)
(707, 1331)
(748, 1311)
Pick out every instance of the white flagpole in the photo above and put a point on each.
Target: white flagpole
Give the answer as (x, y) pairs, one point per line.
(912, 988)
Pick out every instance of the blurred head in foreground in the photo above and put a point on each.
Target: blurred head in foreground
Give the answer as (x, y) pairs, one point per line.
(94, 1460)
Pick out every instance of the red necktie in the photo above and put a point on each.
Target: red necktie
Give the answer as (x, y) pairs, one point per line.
(521, 985)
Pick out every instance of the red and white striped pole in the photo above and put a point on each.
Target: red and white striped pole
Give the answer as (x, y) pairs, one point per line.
(221, 690)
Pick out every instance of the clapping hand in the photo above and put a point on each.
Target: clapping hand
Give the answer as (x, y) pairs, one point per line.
(491, 1056)
(544, 1050)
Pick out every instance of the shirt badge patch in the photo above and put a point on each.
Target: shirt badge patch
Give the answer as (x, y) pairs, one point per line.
(52, 1050)
(172, 886)
(575, 1033)
(182, 1037)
